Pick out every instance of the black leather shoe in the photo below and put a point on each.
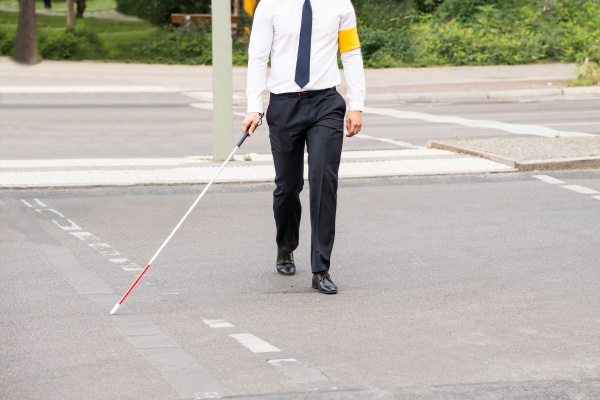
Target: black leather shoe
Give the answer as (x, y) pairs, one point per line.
(285, 263)
(322, 282)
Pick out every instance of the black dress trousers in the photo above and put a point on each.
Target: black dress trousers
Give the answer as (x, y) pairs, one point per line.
(314, 119)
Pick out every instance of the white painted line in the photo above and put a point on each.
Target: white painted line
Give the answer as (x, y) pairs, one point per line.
(206, 395)
(43, 210)
(207, 95)
(596, 197)
(255, 344)
(576, 124)
(72, 226)
(370, 155)
(126, 264)
(283, 360)
(384, 140)
(104, 248)
(217, 323)
(535, 130)
(198, 160)
(547, 179)
(412, 152)
(119, 260)
(209, 107)
(126, 269)
(34, 202)
(101, 162)
(85, 236)
(88, 89)
(580, 189)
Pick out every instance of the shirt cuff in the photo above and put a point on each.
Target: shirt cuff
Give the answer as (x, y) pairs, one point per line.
(255, 107)
(356, 105)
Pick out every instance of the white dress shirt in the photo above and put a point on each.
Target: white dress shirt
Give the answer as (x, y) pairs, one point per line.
(276, 32)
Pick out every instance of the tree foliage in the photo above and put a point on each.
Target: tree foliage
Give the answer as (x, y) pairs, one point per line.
(158, 11)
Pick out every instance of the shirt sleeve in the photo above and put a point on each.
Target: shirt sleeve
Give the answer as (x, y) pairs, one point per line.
(259, 49)
(353, 66)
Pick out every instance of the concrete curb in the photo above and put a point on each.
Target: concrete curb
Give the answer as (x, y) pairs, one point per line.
(481, 95)
(523, 166)
(375, 97)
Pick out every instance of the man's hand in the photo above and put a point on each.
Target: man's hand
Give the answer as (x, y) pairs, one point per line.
(353, 123)
(251, 121)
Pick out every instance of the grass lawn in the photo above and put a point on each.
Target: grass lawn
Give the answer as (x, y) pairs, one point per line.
(119, 38)
(97, 25)
(61, 6)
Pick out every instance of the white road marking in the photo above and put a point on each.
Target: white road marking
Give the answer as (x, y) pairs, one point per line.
(282, 360)
(580, 189)
(217, 323)
(209, 107)
(51, 210)
(193, 161)
(71, 227)
(596, 197)
(34, 203)
(207, 395)
(88, 89)
(254, 344)
(384, 140)
(85, 236)
(547, 179)
(535, 130)
(100, 162)
(104, 248)
(576, 124)
(127, 265)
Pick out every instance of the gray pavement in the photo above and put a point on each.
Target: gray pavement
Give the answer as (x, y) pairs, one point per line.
(469, 285)
(476, 287)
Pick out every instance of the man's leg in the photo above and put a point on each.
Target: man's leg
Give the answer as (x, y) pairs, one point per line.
(287, 145)
(324, 141)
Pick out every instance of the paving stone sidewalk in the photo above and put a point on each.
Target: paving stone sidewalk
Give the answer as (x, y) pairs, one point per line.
(531, 154)
(245, 168)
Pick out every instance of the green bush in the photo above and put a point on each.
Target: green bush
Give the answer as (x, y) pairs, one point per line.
(386, 48)
(174, 48)
(427, 6)
(78, 44)
(381, 14)
(7, 41)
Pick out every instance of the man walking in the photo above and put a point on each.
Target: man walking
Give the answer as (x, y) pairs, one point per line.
(302, 37)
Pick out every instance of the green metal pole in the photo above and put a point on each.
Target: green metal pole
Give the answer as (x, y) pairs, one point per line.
(222, 79)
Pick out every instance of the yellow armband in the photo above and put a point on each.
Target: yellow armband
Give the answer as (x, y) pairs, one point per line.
(348, 40)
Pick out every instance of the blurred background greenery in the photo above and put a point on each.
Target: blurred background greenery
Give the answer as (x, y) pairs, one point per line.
(394, 33)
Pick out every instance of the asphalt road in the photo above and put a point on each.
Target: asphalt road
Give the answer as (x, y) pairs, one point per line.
(459, 287)
(463, 287)
(55, 126)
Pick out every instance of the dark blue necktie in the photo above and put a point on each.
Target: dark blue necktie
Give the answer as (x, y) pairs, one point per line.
(303, 61)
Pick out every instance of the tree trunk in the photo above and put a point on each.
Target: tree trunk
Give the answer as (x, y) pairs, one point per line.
(26, 41)
(70, 15)
(80, 8)
(236, 7)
